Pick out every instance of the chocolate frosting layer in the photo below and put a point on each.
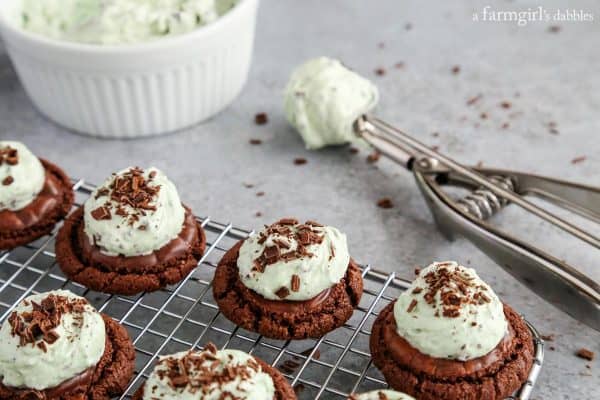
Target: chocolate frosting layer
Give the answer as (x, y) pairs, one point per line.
(284, 306)
(404, 354)
(47, 200)
(154, 262)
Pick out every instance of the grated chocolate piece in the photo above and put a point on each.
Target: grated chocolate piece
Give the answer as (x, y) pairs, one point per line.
(261, 118)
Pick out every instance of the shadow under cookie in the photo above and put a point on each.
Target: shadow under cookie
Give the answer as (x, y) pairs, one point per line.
(82, 261)
(285, 319)
(494, 376)
(107, 379)
(38, 218)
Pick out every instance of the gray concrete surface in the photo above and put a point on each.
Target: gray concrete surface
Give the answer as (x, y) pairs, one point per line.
(546, 76)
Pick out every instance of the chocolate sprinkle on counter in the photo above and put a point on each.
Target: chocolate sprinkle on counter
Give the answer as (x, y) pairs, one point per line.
(585, 354)
(380, 71)
(385, 203)
(578, 160)
(373, 157)
(554, 29)
(255, 142)
(474, 99)
(261, 118)
(300, 161)
(9, 156)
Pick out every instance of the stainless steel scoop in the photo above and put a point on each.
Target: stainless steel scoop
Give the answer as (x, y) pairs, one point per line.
(491, 189)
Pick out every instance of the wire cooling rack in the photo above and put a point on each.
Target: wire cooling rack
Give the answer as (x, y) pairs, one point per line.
(186, 316)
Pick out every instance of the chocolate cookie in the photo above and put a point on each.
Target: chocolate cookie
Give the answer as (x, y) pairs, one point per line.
(38, 218)
(82, 261)
(283, 390)
(284, 319)
(494, 376)
(109, 378)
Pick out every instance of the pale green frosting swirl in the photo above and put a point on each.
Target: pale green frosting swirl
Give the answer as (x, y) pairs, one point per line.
(380, 395)
(436, 327)
(323, 99)
(151, 230)
(323, 268)
(25, 179)
(118, 21)
(253, 384)
(80, 345)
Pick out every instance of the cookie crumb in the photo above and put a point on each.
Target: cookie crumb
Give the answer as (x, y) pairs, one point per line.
(260, 194)
(548, 338)
(8, 180)
(455, 70)
(585, 354)
(255, 142)
(506, 104)
(261, 118)
(258, 214)
(385, 203)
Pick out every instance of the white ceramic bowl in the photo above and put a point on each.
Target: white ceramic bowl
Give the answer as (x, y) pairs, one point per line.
(134, 90)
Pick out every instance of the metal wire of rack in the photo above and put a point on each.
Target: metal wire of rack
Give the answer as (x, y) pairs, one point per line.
(185, 316)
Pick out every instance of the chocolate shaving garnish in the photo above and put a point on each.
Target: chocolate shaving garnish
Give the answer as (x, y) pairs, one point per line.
(38, 325)
(412, 306)
(282, 234)
(9, 156)
(455, 288)
(295, 284)
(283, 292)
(8, 180)
(101, 213)
(203, 372)
(131, 195)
